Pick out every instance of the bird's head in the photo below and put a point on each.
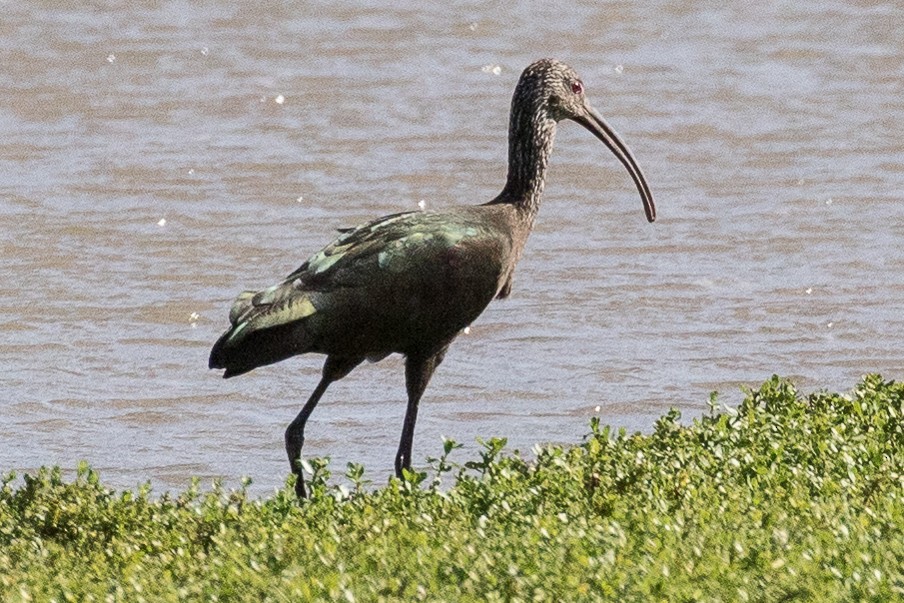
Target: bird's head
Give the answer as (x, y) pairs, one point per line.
(552, 87)
(554, 91)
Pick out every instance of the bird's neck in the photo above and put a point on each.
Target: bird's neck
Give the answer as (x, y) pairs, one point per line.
(531, 135)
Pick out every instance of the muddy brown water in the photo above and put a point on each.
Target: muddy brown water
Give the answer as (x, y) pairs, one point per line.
(155, 161)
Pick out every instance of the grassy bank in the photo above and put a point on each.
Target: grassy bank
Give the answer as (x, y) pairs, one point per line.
(786, 498)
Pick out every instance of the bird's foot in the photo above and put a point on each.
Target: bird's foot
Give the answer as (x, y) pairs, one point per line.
(402, 462)
(299, 486)
(294, 444)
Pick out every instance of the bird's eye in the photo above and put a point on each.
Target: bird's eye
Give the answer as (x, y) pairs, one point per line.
(577, 87)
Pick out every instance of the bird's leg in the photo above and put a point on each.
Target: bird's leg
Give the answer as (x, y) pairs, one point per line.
(295, 434)
(333, 370)
(418, 370)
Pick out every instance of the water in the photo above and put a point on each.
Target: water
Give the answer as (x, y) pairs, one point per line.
(155, 162)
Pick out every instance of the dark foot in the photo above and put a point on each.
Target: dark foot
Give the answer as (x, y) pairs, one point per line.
(401, 462)
(293, 450)
(299, 486)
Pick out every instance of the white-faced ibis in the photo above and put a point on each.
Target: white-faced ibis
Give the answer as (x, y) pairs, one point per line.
(409, 283)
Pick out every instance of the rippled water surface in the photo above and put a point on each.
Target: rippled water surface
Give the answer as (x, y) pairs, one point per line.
(154, 162)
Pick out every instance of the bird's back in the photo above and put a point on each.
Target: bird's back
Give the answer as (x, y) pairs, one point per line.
(402, 283)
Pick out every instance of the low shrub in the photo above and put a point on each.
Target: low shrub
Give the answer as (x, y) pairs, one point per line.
(785, 498)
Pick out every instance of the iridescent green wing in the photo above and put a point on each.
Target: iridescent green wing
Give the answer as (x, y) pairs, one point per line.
(352, 246)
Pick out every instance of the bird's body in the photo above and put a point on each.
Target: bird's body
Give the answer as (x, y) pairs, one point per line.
(399, 284)
(409, 283)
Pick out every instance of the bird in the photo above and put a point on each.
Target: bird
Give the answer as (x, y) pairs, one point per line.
(408, 283)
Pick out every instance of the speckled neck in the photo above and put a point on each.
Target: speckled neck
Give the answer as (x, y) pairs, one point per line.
(531, 135)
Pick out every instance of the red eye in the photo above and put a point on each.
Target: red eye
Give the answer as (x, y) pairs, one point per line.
(577, 87)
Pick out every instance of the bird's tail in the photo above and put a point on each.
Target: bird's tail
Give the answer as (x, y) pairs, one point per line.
(267, 326)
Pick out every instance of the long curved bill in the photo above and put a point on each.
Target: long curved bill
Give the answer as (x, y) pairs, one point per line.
(594, 122)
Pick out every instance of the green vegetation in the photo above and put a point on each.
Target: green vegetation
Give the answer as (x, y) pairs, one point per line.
(787, 498)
